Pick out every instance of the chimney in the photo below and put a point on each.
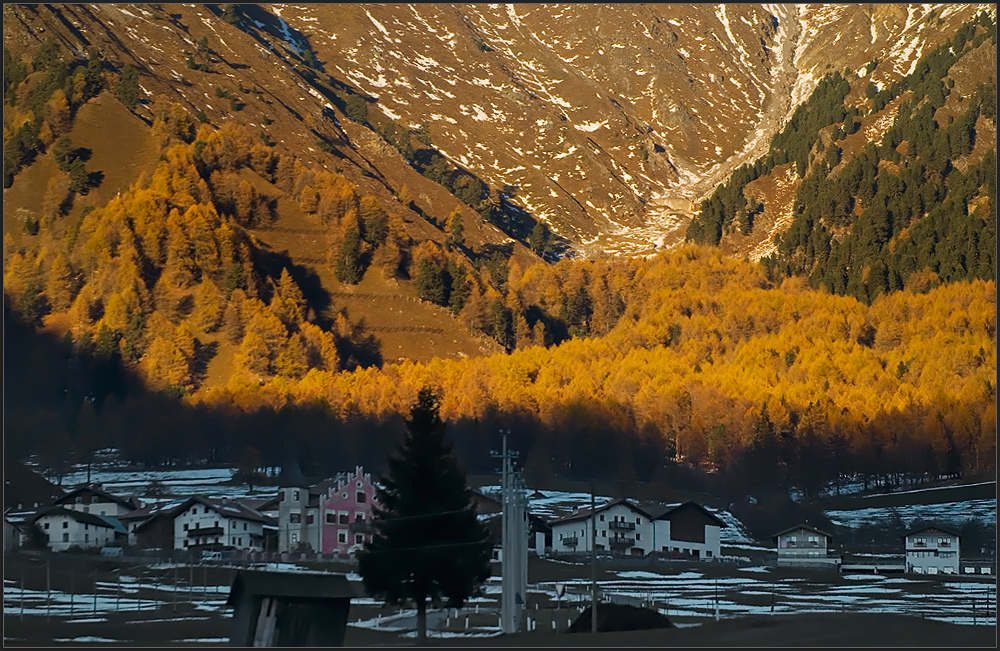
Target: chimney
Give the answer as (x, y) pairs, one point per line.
(576, 510)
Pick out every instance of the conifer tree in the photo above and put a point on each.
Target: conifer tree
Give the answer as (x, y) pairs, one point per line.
(427, 544)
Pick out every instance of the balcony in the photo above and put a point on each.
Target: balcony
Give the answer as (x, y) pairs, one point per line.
(211, 531)
(621, 525)
(621, 542)
(570, 541)
(360, 526)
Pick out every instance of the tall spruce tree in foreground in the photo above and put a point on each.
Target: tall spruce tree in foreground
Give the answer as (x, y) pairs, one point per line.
(427, 544)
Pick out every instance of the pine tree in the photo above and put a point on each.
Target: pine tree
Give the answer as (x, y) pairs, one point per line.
(127, 90)
(430, 286)
(427, 544)
(454, 229)
(348, 268)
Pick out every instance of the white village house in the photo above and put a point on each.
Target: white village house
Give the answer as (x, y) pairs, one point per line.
(91, 499)
(623, 527)
(933, 549)
(65, 528)
(804, 545)
(207, 523)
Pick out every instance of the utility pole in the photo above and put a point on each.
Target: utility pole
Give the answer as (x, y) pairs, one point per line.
(593, 560)
(513, 541)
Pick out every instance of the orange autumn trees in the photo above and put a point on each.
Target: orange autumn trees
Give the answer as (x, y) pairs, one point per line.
(709, 357)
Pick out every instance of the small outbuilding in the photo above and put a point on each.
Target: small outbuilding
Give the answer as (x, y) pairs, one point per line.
(289, 609)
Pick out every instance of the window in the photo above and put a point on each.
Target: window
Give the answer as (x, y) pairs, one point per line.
(295, 496)
(343, 496)
(86, 527)
(331, 517)
(216, 524)
(46, 526)
(65, 524)
(361, 497)
(295, 518)
(233, 523)
(194, 510)
(343, 517)
(310, 518)
(359, 538)
(244, 526)
(602, 517)
(295, 538)
(93, 499)
(79, 500)
(65, 537)
(185, 543)
(359, 484)
(281, 496)
(638, 520)
(359, 517)
(604, 533)
(185, 526)
(102, 512)
(708, 554)
(342, 537)
(86, 509)
(86, 537)
(638, 536)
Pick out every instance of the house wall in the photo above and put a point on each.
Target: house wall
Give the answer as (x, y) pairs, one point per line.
(158, 534)
(802, 543)
(11, 537)
(87, 502)
(617, 522)
(220, 529)
(562, 533)
(294, 501)
(346, 513)
(638, 531)
(932, 552)
(706, 548)
(64, 532)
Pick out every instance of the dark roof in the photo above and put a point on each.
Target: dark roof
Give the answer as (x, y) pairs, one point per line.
(661, 511)
(259, 503)
(802, 526)
(79, 516)
(23, 487)
(583, 514)
(96, 490)
(151, 510)
(933, 527)
(291, 476)
(230, 508)
(305, 585)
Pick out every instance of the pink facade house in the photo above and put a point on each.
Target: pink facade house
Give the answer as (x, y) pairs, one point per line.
(346, 505)
(332, 517)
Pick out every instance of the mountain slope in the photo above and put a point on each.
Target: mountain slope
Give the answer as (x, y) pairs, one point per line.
(608, 122)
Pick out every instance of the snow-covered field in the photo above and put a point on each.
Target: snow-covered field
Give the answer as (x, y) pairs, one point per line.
(947, 513)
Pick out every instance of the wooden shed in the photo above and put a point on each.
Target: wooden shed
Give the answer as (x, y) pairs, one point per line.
(289, 609)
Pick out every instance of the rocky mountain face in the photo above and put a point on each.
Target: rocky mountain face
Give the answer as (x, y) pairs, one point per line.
(608, 122)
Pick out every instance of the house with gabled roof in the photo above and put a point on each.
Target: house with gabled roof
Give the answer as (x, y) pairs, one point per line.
(202, 523)
(932, 549)
(152, 526)
(93, 499)
(621, 526)
(685, 530)
(804, 544)
(66, 528)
